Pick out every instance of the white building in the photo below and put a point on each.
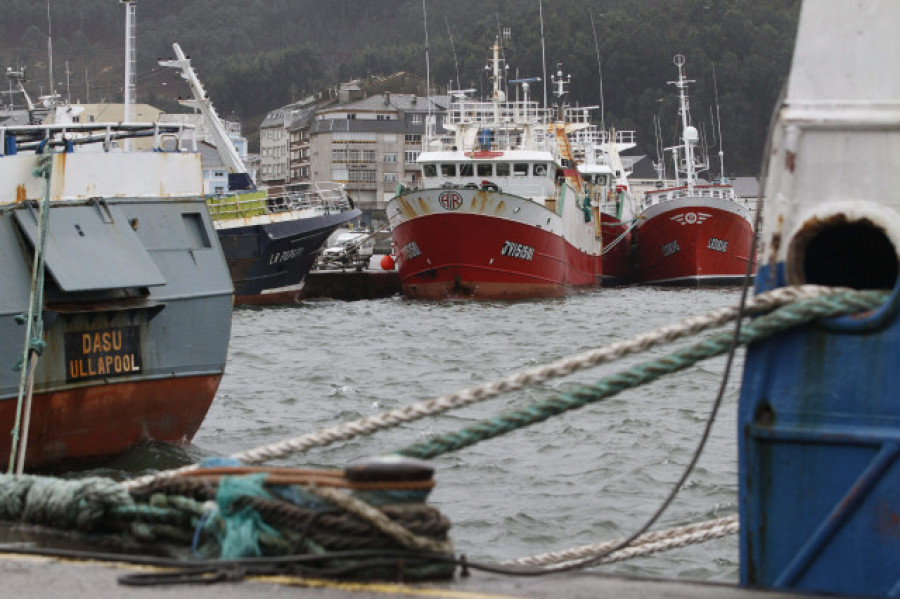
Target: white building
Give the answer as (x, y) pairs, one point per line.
(371, 145)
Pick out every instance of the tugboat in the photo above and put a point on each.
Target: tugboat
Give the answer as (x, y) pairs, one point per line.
(501, 212)
(270, 236)
(116, 301)
(692, 234)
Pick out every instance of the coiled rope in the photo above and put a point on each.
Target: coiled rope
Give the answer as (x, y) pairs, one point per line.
(540, 374)
(34, 323)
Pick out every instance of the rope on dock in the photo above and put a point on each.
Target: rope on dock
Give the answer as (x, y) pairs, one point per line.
(378, 519)
(539, 374)
(651, 542)
(781, 319)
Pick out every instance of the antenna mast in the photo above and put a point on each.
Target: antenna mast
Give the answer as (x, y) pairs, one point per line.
(543, 50)
(50, 49)
(130, 9)
(599, 72)
(429, 120)
(719, 125)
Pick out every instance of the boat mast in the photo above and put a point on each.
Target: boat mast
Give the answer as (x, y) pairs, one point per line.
(689, 134)
(719, 125)
(129, 62)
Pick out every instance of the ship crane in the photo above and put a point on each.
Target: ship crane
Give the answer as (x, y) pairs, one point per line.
(238, 177)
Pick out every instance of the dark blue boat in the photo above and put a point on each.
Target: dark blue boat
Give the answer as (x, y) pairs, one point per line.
(271, 237)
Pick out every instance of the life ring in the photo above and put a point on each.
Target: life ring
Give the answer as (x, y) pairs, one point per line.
(540, 170)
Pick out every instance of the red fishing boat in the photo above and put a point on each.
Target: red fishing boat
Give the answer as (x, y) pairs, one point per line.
(501, 212)
(605, 178)
(692, 234)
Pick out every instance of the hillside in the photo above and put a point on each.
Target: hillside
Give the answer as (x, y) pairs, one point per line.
(256, 55)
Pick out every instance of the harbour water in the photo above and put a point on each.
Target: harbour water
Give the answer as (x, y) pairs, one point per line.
(587, 476)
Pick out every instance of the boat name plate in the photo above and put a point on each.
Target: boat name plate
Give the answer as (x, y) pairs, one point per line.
(103, 353)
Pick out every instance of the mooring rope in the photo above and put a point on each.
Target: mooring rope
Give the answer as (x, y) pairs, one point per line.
(34, 322)
(379, 520)
(559, 368)
(781, 319)
(651, 542)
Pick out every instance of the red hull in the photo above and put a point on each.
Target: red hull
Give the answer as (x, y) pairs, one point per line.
(447, 255)
(618, 263)
(694, 242)
(75, 424)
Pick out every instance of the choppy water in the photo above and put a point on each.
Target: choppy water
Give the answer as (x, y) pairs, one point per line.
(587, 476)
(591, 475)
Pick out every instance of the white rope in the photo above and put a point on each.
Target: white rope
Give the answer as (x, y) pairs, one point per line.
(651, 542)
(539, 374)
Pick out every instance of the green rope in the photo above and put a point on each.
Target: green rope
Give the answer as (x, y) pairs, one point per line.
(34, 330)
(786, 317)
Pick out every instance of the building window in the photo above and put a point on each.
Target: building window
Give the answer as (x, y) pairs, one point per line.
(362, 175)
(390, 177)
(416, 119)
(410, 156)
(390, 157)
(413, 138)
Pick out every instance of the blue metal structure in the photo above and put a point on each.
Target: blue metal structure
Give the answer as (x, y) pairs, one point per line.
(819, 415)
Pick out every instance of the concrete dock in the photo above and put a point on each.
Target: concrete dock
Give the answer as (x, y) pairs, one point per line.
(39, 577)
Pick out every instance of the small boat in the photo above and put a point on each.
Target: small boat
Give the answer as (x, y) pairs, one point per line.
(270, 236)
(500, 212)
(125, 340)
(692, 234)
(605, 179)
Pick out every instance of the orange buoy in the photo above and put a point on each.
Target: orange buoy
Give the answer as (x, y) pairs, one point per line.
(387, 262)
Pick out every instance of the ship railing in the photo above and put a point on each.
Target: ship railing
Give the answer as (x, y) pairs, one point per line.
(579, 115)
(494, 113)
(328, 198)
(172, 137)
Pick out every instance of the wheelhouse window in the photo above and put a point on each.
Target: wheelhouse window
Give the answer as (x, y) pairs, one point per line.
(465, 169)
(520, 169)
(429, 170)
(502, 169)
(485, 169)
(448, 170)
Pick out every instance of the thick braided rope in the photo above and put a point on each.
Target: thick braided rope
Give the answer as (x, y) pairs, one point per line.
(651, 542)
(756, 330)
(539, 374)
(379, 520)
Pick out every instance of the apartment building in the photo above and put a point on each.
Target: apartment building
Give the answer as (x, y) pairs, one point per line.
(371, 145)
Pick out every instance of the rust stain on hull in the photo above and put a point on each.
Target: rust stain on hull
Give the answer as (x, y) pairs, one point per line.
(103, 420)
